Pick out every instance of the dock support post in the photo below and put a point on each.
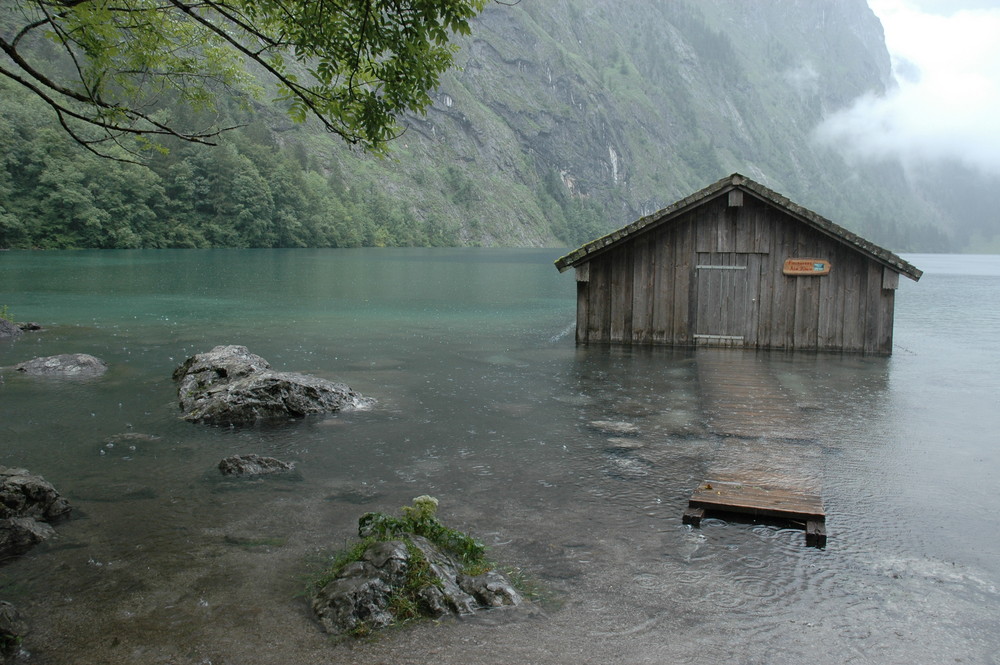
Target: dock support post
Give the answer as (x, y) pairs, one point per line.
(815, 533)
(693, 516)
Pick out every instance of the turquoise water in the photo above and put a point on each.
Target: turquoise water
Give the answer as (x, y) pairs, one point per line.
(484, 402)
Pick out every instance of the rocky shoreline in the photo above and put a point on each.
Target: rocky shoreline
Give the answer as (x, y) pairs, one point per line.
(29, 505)
(401, 568)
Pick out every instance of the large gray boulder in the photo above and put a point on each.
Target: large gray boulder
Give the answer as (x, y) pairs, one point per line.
(216, 367)
(27, 504)
(231, 386)
(64, 365)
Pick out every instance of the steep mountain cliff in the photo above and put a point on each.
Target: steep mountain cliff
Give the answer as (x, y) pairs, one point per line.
(569, 118)
(564, 120)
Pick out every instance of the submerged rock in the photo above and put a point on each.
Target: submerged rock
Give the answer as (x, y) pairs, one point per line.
(66, 365)
(231, 386)
(252, 465)
(614, 427)
(623, 443)
(13, 628)
(27, 502)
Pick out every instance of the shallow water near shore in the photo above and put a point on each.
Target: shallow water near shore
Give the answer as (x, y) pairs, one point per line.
(485, 402)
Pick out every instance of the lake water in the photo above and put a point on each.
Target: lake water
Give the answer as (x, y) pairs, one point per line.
(484, 401)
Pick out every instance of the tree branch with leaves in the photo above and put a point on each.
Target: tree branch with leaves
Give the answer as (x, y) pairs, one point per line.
(112, 70)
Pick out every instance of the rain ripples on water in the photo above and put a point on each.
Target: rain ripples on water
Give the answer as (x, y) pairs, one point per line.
(573, 464)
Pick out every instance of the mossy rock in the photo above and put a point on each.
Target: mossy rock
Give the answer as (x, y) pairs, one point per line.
(406, 568)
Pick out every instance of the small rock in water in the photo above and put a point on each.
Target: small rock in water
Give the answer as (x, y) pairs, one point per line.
(132, 436)
(69, 365)
(628, 468)
(615, 427)
(633, 408)
(252, 465)
(23, 494)
(13, 628)
(625, 444)
(356, 496)
(27, 503)
(9, 329)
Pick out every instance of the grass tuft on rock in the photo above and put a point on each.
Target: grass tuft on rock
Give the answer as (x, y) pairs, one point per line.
(409, 601)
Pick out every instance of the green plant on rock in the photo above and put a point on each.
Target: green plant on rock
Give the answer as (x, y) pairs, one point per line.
(434, 577)
(420, 519)
(10, 644)
(5, 314)
(406, 604)
(340, 560)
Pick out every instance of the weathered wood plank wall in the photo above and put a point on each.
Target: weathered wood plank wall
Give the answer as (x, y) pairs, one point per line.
(650, 290)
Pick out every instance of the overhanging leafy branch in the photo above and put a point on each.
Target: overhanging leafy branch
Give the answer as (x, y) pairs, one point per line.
(118, 67)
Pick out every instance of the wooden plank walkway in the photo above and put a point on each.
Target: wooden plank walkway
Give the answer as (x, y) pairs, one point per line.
(769, 463)
(740, 396)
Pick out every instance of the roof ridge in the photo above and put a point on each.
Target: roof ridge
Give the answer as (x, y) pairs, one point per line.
(732, 181)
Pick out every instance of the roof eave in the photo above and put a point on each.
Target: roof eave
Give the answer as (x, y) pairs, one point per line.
(818, 222)
(585, 252)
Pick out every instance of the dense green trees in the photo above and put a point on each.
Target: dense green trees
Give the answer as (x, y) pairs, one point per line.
(247, 192)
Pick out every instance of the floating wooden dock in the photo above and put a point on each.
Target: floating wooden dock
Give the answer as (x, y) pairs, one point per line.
(760, 500)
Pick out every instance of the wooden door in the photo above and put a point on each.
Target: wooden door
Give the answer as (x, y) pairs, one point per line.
(725, 299)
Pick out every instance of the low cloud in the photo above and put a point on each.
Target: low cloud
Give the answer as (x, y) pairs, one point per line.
(804, 78)
(946, 104)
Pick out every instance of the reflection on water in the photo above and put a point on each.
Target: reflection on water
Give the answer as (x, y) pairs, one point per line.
(486, 403)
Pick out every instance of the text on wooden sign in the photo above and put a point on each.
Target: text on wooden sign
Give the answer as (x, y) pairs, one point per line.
(806, 267)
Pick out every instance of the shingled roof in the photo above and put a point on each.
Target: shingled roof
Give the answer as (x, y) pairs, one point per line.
(724, 186)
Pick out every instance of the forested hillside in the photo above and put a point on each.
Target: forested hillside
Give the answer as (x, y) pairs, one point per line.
(566, 119)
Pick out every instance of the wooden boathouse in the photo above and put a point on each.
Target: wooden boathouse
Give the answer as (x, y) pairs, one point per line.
(738, 265)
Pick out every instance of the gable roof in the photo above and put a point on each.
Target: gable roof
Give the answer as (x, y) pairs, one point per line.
(727, 184)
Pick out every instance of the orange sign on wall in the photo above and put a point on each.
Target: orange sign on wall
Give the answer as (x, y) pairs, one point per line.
(806, 267)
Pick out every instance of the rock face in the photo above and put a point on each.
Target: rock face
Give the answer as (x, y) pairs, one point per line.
(20, 534)
(231, 386)
(252, 465)
(66, 364)
(27, 503)
(362, 594)
(9, 329)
